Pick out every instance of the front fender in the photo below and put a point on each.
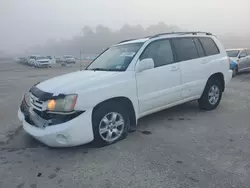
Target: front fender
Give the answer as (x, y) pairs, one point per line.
(88, 99)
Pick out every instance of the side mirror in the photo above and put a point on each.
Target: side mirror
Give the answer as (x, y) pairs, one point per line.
(144, 64)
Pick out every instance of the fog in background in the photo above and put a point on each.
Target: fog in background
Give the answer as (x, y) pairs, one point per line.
(57, 27)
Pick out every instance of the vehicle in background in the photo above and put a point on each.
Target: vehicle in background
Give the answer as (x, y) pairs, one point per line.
(59, 59)
(129, 80)
(69, 59)
(241, 57)
(39, 61)
(31, 60)
(22, 60)
(52, 59)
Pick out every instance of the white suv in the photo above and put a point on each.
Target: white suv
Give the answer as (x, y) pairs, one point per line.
(126, 82)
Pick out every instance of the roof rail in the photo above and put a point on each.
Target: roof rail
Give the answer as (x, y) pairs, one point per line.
(181, 33)
(125, 41)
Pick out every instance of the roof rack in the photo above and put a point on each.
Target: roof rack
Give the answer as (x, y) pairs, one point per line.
(125, 41)
(181, 33)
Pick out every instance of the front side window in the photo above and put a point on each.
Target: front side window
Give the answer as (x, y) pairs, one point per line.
(160, 51)
(233, 53)
(185, 49)
(243, 53)
(116, 58)
(209, 46)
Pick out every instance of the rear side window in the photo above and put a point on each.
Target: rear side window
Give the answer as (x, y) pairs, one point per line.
(200, 50)
(185, 49)
(209, 46)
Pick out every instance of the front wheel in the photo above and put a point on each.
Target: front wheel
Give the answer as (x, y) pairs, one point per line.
(211, 96)
(110, 124)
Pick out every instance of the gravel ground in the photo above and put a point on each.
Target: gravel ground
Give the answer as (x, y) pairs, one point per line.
(181, 147)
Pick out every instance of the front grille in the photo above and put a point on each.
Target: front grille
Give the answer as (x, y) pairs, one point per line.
(36, 103)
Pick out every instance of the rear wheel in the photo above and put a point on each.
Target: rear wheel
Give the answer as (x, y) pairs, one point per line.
(110, 124)
(211, 96)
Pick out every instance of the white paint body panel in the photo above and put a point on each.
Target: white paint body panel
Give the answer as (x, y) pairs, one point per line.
(158, 87)
(149, 91)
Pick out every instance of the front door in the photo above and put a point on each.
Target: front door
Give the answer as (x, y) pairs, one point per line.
(159, 86)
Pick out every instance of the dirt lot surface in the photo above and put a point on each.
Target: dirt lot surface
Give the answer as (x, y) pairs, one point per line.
(181, 147)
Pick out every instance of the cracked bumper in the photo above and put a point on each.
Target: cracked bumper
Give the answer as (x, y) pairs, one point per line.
(75, 132)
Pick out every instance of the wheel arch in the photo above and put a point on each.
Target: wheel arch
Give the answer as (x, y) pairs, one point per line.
(123, 101)
(219, 77)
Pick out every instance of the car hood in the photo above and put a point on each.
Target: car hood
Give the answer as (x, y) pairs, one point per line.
(73, 82)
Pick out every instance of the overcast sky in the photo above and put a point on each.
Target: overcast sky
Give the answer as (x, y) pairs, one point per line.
(24, 23)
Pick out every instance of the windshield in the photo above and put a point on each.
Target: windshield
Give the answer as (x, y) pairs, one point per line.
(116, 58)
(68, 56)
(41, 57)
(233, 53)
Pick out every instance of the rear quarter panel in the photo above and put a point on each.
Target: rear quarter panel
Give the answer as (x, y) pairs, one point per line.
(218, 63)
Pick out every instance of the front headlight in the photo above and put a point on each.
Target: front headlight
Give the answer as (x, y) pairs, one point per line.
(66, 104)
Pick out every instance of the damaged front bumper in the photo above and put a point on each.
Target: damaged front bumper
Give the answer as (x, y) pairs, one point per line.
(57, 130)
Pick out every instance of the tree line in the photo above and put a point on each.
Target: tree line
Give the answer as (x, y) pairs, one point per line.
(93, 41)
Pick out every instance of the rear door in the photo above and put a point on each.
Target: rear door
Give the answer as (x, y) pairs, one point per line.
(190, 54)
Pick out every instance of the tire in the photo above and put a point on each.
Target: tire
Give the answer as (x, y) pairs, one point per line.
(211, 96)
(108, 110)
(235, 71)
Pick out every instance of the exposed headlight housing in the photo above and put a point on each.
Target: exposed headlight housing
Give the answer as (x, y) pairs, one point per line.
(66, 104)
(26, 98)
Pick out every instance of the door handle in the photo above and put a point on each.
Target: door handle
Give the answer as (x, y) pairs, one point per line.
(204, 62)
(174, 68)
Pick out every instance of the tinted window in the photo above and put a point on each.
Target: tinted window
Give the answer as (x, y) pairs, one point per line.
(160, 51)
(185, 49)
(209, 46)
(243, 53)
(233, 53)
(32, 57)
(200, 50)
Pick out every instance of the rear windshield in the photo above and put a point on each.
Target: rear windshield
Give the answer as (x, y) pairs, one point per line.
(233, 53)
